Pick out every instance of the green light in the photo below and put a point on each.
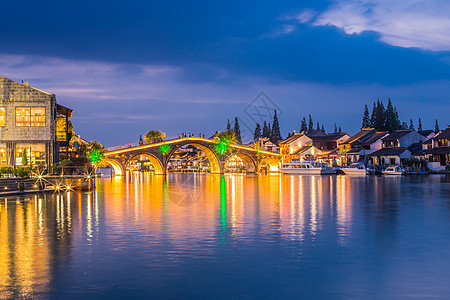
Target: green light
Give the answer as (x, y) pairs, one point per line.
(223, 208)
(95, 156)
(164, 149)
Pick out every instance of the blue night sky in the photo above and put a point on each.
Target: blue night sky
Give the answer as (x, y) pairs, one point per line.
(126, 67)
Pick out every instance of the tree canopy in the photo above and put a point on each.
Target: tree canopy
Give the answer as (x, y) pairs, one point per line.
(154, 135)
(223, 140)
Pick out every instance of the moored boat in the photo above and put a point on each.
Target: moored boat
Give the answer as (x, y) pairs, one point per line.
(393, 170)
(306, 168)
(356, 169)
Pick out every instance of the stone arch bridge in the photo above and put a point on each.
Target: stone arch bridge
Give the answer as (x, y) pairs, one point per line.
(159, 154)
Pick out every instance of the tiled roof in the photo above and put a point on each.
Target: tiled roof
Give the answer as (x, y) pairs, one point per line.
(378, 135)
(416, 149)
(438, 150)
(389, 151)
(361, 136)
(291, 138)
(302, 149)
(425, 133)
(397, 134)
(445, 134)
(328, 137)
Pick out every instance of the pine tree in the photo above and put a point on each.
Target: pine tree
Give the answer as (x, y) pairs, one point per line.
(419, 127)
(335, 128)
(303, 126)
(257, 134)
(436, 127)
(265, 132)
(379, 123)
(237, 130)
(318, 127)
(228, 125)
(310, 124)
(411, 124)
(366, 119)
(269, 130)
(404, 126)
(373, 116)
(276, 133)
(340, 130)
(323, 129)
(391, 119)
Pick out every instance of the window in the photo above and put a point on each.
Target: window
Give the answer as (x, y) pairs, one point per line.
(38, 116)
(2, 155)
(2, 116)
(35, 154)
(22, 116)
(30, 116)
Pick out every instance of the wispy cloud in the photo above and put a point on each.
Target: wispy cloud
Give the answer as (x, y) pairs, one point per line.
(405, 23)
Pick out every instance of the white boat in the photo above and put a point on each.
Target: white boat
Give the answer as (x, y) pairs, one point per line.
(306, 168)
(393, 170)
(356, 169)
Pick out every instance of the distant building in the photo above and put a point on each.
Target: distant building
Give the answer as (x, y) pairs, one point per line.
(28, 123)
(397, 147)
(439, 153)
(313, 144)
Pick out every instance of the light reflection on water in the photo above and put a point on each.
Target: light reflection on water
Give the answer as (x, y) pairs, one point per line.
(224, 236)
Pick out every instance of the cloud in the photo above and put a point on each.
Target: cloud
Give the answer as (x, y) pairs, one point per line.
(403, 23)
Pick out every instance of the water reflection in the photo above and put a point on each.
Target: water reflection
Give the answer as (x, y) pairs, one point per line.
(162, 222)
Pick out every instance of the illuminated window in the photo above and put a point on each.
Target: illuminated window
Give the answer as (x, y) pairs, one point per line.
(30, 116)
(38, 116)
(2, 116)
(35, 154)
(22, 116)
(2, 155)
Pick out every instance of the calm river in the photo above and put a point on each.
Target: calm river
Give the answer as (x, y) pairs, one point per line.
(225, 237)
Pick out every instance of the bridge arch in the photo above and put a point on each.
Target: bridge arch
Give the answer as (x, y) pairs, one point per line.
(117, 167)
(212, 157)
(273, 164)
(249, 162)
(157, 164)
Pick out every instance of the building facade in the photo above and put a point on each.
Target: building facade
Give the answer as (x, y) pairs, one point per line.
(27, 124)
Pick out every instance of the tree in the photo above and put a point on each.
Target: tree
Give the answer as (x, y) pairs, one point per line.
(310, 123)
(154, 135)
(276, 133)
(436, 126)
(323, 129)
(222, 141)
(303, 126)
(318, 126)
(340, 130)
(373, 116)
(265, 131)
(96, 152)
(404, 126)
(228, 124)
(24, 157)
(335, 128)
(380, 116)
(419, 127)
(411, 124)
(257, 134)
(269, 130)
(391, 120)
(366, 118)
(237, 130)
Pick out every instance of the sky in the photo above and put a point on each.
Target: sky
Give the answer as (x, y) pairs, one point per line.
(127, 67)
